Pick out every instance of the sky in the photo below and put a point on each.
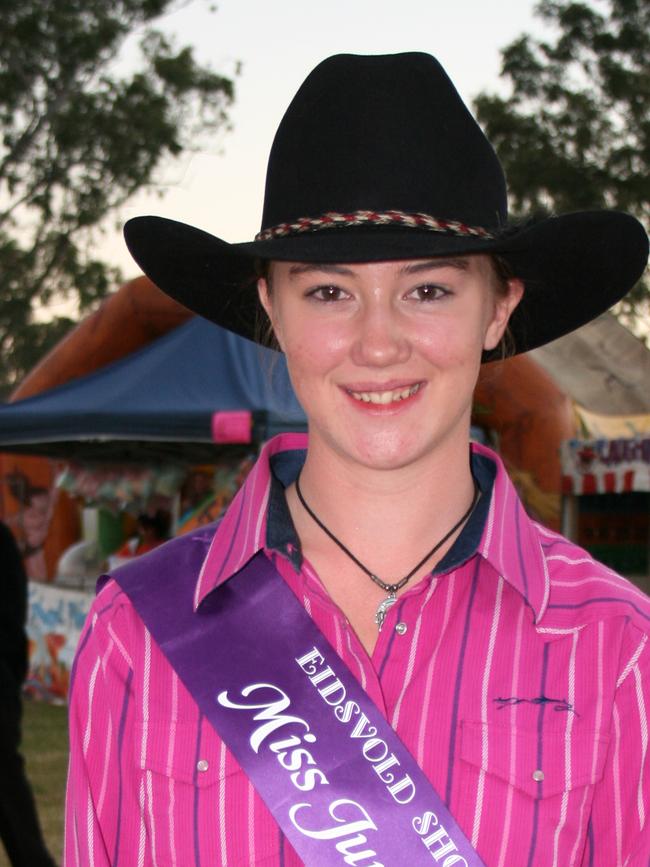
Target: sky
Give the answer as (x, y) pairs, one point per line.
(277, 43)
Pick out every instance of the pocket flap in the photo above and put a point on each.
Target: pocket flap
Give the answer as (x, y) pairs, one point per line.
(564, 765)
(186, 764)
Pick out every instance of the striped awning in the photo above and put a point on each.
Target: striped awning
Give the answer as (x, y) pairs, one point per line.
(606, 466)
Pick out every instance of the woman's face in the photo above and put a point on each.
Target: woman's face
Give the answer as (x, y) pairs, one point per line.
(384, 356)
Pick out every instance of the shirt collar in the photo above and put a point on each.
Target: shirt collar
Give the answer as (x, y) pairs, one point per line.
(511, 541)
(258, 517)
(241, 533)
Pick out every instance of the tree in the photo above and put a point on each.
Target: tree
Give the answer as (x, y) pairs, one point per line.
(575, 131)
(78, 139)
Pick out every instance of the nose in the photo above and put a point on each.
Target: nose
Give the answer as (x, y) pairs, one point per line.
(381, 340)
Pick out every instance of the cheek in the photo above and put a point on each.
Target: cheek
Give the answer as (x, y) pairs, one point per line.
(452, 345)
(314, 352)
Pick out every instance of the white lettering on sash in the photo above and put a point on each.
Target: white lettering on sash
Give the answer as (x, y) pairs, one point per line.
(334, 693)
(363, 723)
(345, 828)
(363, 729)
(306, 662)
(290, 752)
(271, 712)
(379, 769)
(322, 675)
(405, 788)
(369, 750)
(439, 844)
(346, 822)
(344, 713)
(374, 749)
(384, 763)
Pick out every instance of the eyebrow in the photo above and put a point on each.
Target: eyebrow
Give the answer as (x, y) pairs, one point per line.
(328, 268)
(460, 262)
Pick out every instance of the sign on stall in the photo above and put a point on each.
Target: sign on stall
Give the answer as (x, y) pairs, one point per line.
(55, 620)
(606, 466)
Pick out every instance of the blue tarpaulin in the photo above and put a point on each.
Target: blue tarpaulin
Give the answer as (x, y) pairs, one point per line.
(165, 393)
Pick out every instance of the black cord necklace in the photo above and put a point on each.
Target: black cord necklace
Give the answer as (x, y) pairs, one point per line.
(391, 589)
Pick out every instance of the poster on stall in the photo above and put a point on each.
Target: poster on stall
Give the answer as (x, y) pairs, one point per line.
(55, 620)
(606, 466)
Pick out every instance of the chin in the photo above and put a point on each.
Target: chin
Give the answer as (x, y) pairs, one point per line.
(387, 452)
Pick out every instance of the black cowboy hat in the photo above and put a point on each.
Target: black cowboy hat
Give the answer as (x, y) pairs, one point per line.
(378, 158)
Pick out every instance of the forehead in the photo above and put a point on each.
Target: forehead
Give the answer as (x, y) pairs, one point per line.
(477, 264)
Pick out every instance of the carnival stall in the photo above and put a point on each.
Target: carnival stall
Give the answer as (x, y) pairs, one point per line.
(606, 491)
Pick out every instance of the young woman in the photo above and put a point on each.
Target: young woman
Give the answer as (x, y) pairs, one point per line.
(376, 657)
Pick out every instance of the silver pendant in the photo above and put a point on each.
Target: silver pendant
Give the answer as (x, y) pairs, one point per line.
(382, 610)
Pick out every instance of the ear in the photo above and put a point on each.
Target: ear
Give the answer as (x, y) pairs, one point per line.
(504, 304)
(266, 300)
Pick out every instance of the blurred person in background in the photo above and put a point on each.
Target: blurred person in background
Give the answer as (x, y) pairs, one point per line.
(20, 831)
(151, 531)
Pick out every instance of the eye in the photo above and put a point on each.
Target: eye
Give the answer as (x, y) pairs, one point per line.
(328, 293)
(427, 292)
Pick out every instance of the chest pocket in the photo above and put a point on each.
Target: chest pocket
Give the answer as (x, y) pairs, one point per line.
(537, 764)
(196, 795)
(179, 778)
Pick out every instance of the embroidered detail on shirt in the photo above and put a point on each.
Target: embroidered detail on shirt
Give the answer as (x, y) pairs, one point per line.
(561, 704)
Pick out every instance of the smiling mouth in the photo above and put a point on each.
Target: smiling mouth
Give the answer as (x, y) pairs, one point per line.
(383, 398)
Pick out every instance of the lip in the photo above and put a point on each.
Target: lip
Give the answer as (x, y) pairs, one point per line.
(389, 385)
(375, 392)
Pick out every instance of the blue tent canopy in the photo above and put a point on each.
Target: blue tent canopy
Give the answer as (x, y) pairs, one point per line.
(159, 401)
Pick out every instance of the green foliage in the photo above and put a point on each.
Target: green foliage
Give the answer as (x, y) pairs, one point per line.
(575, 132)
(77, 140)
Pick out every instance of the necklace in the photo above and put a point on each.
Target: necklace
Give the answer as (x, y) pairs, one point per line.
(391, 589)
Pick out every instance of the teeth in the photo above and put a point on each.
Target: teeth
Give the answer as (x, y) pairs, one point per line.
(385, 397)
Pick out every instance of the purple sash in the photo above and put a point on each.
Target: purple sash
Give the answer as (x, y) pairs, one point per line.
(337, 779)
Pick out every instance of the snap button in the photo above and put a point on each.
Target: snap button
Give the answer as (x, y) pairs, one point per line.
(401, 628)
(202, 765)
(538, 776)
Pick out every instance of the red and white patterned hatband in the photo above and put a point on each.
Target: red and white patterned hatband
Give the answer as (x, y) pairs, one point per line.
(333, 220)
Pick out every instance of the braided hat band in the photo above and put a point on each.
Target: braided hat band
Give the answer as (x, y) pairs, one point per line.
(332, 219)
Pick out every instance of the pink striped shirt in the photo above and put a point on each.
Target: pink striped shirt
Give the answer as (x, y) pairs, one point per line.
(519, 678)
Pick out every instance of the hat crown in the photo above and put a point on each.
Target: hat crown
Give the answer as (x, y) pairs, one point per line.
(382, 132)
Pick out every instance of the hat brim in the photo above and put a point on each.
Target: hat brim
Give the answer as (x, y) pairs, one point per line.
(574, 267)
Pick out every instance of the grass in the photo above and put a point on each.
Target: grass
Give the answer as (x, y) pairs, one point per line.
(45, 748)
